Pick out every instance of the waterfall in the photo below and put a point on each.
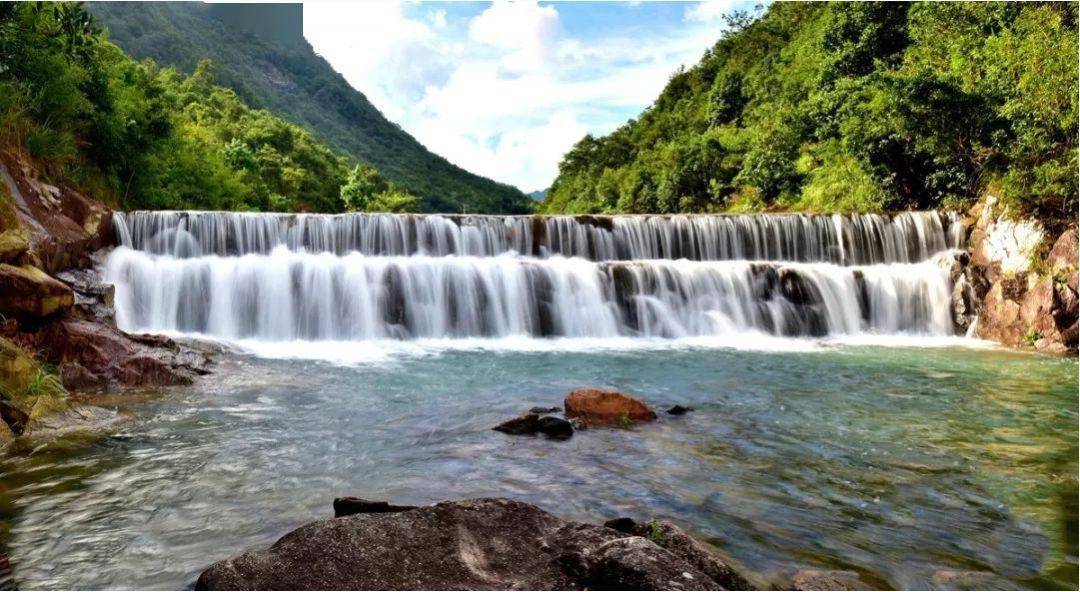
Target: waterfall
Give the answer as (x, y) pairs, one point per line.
(358, 277)
(845, 239)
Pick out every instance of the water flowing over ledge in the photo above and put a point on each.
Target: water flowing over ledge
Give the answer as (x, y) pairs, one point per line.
(288, 295)
(276, 278)
(856, 239)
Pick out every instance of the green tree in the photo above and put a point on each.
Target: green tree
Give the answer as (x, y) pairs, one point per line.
(852, 106)
(361, 187)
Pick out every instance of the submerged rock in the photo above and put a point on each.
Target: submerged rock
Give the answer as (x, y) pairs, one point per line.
(7, 581)
(478, 544)
(679, 410)
(596, 406)
(968, 580)
(826, 579)
(545, 410)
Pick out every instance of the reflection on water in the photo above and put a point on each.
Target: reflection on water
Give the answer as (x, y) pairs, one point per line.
(895, 462)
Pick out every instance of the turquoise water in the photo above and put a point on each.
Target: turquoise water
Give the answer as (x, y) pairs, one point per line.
(896, 462)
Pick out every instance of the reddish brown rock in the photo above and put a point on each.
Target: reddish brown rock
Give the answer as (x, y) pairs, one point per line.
(26, 291)
(1070, 335)
(1037, 309)
(62, 227)
(94, 354)
(1063, 255)
(603, 407)
(1066, 305)
(999, 316)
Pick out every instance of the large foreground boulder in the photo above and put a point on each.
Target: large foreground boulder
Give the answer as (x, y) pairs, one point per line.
(672, 538)
(479, 544)
(595, 406)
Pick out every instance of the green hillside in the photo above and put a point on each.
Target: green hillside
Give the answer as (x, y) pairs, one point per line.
(259, 51)
(137, 135)
(852, 106)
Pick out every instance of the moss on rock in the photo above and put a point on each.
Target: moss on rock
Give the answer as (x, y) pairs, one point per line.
(28, 385)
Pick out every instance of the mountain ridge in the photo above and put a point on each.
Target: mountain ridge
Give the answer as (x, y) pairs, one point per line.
(293, 81)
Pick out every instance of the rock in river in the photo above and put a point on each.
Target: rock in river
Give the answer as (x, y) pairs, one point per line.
(347, 506)
(478, 544)
(603, 407)
(555, 427)
(526, 424)
(530, 423)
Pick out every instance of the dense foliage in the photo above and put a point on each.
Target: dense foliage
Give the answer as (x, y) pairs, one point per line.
(151, 137)
(852, 106)
(276, 69)
(366, 191)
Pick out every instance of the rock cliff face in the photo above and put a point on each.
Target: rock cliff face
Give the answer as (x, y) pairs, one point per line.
(1024, 281)
(49, 227)
(55, 313)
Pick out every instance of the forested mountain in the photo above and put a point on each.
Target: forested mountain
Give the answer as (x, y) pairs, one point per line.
(259, 51)
(139, 136)
(852, 107)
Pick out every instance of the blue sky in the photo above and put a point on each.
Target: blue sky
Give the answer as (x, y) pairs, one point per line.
(504, 89)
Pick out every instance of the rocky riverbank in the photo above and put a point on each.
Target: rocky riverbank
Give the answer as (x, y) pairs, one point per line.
(57, 331)
(1017, 283)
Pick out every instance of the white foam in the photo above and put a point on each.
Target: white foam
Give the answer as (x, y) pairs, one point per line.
(381, 352)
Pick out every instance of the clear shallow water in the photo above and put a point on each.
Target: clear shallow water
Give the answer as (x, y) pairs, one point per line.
(896, 462)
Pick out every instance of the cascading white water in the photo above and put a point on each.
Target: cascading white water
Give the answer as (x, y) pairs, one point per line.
(355, 277)
(845, 239)
(289, 295)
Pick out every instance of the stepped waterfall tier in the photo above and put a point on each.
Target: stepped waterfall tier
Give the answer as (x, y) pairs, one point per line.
(367, 276)
(845, 239)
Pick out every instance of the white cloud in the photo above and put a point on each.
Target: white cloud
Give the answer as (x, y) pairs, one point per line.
(503, 93)
(438, 18)
(708, 10)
